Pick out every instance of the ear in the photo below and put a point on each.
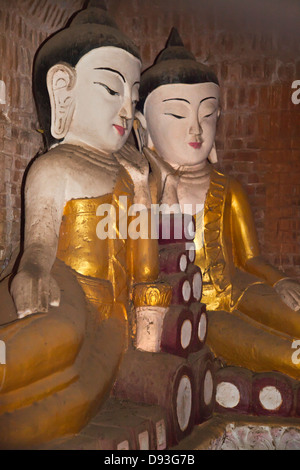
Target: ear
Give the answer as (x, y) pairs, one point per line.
(140, 130)
(213, 157)
(61, 79)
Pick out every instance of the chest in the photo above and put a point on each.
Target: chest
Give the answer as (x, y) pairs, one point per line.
(87, 180)
(192, 196)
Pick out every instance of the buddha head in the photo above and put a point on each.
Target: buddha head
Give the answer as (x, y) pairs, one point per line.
(179, 106)
(86, 82)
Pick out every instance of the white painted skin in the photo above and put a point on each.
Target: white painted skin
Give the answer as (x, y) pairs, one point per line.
(172, 124)
(180, 117)
(84, 113)
(104, 98)
(180, 114)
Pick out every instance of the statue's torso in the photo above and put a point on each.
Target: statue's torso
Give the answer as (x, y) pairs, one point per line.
(99, 263)
(223, 281)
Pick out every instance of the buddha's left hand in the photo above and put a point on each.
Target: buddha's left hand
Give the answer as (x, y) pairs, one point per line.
(289, 291)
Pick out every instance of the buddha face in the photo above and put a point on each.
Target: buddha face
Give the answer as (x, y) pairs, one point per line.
(94, 103)
(181, 121)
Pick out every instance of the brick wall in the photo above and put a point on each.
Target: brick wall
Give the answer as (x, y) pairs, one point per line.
(24, 25)
(254, 48)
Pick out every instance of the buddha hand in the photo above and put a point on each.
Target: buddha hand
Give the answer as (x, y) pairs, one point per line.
(289, 291)
(34, 292)
(137, 167)
(166, 177)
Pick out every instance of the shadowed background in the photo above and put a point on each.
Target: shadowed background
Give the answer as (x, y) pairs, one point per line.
(254, 48)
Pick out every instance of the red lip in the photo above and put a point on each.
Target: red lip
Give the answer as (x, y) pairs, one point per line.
(195, 145)
(120, 129)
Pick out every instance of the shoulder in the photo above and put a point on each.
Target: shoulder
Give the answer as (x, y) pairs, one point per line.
(234, 189)
(47, 169)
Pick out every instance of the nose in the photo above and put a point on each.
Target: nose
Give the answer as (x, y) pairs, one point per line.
(126, 112)
(195, 129)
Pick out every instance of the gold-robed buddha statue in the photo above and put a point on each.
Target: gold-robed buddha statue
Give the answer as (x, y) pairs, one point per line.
(253, 307)
(68, 319)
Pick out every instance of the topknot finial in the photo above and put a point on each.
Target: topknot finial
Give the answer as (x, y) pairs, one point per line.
(174, 39)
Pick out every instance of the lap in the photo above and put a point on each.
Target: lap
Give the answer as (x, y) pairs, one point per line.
(244, 342)
(261, 303)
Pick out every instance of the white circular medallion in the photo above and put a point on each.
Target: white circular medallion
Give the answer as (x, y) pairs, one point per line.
(191, 230)
(270, 398)
(197, 286)
(183, 262)
(186, 333)
(192, 252)
(184, 402)
(227, 395)
(208, 388)
(186, 290)
(202, 327)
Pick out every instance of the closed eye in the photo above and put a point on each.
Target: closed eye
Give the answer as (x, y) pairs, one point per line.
(208, 115)
(109, 90)
(174, 115)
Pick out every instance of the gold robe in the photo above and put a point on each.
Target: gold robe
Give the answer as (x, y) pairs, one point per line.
(249, 325)
(61, 365)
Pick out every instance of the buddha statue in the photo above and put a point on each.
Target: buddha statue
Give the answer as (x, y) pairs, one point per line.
(66, 315)
(253, 315)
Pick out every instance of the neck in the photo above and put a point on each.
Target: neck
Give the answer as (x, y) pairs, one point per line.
(92, 155)
(203, 166)
(73, 140)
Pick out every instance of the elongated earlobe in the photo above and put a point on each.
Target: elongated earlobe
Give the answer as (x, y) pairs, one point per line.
(140, 130)
(60, 82)
(213, 157)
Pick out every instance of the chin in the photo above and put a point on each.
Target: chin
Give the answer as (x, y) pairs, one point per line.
(113, 145)
(196, 157)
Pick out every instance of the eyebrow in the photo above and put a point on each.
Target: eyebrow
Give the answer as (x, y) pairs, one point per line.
(111, 70)
(208, 98)
(177, 99)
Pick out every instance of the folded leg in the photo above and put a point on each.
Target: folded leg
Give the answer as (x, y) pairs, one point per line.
(243, 342)
(263, 304)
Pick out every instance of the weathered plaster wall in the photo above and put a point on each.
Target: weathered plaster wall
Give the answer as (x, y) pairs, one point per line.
(254, 48)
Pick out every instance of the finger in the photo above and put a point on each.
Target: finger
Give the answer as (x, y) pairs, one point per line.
(296, 298)
(130, 155)
(43, 295)
(149, 155)
(290, 301)
(21, 293)
(158, 163)
(54, 299)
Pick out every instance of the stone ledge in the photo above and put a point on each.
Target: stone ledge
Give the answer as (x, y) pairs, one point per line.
(232, 432)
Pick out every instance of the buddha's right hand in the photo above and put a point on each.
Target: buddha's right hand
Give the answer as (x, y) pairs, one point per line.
(34, 292)
(166, 177)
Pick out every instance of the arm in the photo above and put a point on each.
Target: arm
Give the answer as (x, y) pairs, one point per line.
(33, 288)
(245, 241)
(150, 297)
(247, 253)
